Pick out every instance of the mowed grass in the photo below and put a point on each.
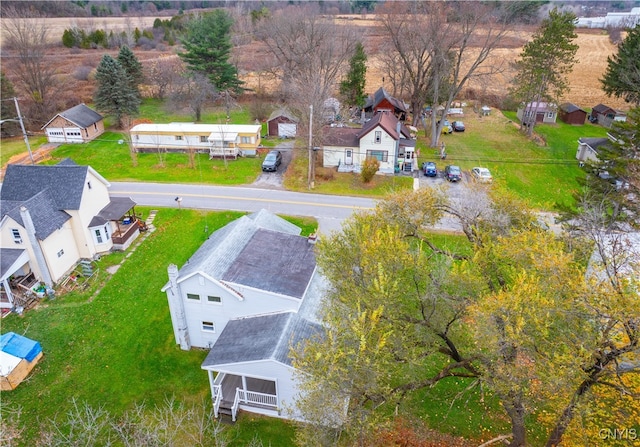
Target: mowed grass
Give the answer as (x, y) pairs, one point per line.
(16, 145)
(115, 162)
(543, 175)
(117, 348)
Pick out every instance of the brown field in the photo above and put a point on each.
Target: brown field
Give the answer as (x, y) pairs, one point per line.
(594, 48)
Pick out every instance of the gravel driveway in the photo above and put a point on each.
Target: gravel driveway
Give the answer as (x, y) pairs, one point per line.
(273, 180)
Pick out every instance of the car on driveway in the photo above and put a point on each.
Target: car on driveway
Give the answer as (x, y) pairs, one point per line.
(272, 161)
(458, 126)
(429, 168)
(482, 175)
(453, 173)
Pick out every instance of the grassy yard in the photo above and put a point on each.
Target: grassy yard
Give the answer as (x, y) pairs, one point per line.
(543, 175)
(16, 145)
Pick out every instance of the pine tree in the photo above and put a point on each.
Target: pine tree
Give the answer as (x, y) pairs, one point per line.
(622, 78)
(7, 107)
(544, 65)
(114, 94)
(352, 87)
(207, 43)
(132, 66)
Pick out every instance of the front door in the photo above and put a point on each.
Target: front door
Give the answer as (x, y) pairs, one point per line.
(348, 157)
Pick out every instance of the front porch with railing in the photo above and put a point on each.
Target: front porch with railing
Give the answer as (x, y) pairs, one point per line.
(231, 393)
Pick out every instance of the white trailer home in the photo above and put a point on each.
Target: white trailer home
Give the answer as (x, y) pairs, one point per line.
(219, 140)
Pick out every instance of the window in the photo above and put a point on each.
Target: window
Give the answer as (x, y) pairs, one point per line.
(106, 232)
(208, 326)
(60, 253)
(16, 236)
(214, 299)
(549, 114)
(378, 136)
(98, 234)
(380, 155)
(193, 296)
(178, 137)
(203, 139)
(246, 140)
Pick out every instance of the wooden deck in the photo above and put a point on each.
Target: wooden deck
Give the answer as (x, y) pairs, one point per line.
(231, 382)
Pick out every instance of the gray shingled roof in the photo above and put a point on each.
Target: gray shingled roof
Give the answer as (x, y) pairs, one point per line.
(596, 142)
(65, 183)
(45, 213)
(569, 107)
(7, 257)
(218, 253)
(273, 261)
(266, 337)
(80, 115)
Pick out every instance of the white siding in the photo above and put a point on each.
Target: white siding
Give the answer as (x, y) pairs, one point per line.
(255, 302)
(387, 144)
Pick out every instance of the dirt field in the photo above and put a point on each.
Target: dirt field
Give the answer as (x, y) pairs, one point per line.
(594, 48)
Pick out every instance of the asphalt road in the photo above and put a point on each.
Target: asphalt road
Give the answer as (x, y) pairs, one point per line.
(329, 210)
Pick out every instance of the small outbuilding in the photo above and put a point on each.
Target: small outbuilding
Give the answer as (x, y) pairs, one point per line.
(572, 114)
(18, 356)
(544, 112)
(605, 115)
(78, 124)
(283, 124)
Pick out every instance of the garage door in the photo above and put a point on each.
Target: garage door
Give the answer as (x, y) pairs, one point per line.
(286, 130)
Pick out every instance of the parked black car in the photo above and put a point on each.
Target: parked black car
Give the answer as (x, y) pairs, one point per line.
(429, 168)
(272, 161)
(453, 173)
(458, 126)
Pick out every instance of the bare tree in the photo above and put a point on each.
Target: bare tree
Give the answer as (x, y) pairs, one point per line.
(163, 74)
(441, 47)
(196, 90)
(309, 54)
(26, 36)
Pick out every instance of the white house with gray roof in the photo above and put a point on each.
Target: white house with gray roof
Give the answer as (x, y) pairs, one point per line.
(52, 217)
(249, 294)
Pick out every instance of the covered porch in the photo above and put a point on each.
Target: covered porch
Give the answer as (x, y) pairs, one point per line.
(19, 288)
(232, 392)
(125, 225)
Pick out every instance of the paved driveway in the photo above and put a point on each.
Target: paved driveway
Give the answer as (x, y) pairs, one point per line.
(273, 180)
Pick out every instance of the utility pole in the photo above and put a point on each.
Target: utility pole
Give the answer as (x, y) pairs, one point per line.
(24, 132)
(309, 180)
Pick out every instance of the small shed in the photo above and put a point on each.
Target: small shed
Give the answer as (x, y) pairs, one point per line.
(282, 123)
(18, 356)
(78, 124)
(544, 112)
(572, 114)
(605, 115)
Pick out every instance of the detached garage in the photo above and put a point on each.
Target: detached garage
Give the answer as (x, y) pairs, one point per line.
(78, 124)
(282, 124)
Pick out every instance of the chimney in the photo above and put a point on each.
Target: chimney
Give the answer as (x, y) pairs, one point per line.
(37, 250)
(177, 305)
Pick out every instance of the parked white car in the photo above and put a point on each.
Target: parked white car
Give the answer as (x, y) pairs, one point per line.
(482, 175)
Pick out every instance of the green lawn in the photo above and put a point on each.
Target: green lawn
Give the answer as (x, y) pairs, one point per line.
(543, 175)
(117, 348)
(16, 145)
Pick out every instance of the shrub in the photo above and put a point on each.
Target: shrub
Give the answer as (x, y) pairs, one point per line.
(82, 73)
(369, 169)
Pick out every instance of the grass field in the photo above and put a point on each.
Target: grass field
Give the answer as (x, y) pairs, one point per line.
(543, 175)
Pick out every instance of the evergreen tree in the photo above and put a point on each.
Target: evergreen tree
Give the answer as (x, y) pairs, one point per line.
(7, 108)
(622, 78)
(207, 42)
(114, 94)
(132, 66)
(544, 65)
(352, 87)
